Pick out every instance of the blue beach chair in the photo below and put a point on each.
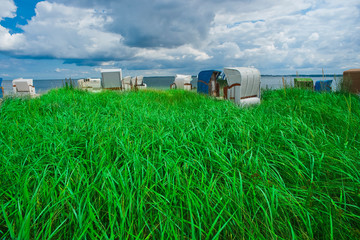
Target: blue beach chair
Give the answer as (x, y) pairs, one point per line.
(1, 89)
(323, 86)
(204, 84)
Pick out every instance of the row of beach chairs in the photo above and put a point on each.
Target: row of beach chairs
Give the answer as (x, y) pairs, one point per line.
(307, 83)
(112, 79)
(243, 89)
(243, 84)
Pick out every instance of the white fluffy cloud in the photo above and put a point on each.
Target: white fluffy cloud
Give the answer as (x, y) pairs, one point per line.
(67, 32)
(8, 9)
(7, 41)
(299, 35)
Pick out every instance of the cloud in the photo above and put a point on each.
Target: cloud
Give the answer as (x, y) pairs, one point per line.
(9, 42)
(314, 37)
(157, 23)
(58, 70)
(8, 9)
(194, 34)
(67, 32)
(290, 36)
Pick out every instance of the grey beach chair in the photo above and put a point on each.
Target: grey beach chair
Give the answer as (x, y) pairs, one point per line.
(111, 79)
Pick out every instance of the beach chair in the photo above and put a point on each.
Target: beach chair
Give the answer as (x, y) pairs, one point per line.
(207, 82)
(137, 82)
(323, 86)
(94, 83)
(1, 89)
(244, 85)
(23, 86)
(111, 79)
(182, 82)
(351, 80)
(81, 83)
(126, 83)
(304, 83)
(89, 84)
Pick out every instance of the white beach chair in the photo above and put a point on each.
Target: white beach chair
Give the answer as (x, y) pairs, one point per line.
(89, 84)
(244, 85)
(94, 83)
(81, 83)
(137, 82)
(111, 78)
(23, 87)
(126, 83)
(182, 82)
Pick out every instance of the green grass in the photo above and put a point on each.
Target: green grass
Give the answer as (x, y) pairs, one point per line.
(178, 165)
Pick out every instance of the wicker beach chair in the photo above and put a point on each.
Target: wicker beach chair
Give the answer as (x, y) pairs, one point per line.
(137, 82)
(304, 83)
(182, 82)
(90, 84)
(207, 82)
(351, 81)
(244, 85)
(126, 83)
(1, 89)
(23, 86)
(111, 79)
(323, 86)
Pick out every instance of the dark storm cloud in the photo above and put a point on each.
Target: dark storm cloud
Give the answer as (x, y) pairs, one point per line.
(158, 23)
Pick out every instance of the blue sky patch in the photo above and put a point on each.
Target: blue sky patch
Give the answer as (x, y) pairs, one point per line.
(25, 11)
(242, 22)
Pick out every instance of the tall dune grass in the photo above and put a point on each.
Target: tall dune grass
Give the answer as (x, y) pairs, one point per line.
(178, 165)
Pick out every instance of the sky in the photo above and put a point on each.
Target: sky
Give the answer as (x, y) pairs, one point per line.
(58, 39)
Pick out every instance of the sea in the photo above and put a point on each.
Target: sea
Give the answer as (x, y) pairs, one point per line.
(164, 82)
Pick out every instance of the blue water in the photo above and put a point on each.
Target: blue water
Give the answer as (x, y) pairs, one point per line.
(271, 82)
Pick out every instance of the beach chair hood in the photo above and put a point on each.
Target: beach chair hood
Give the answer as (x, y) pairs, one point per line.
(126, 83)
(351, 80)
(243, 83)
(323, 86)
(204, 79)
(182, 80)
(21, 85)
(111, 78)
